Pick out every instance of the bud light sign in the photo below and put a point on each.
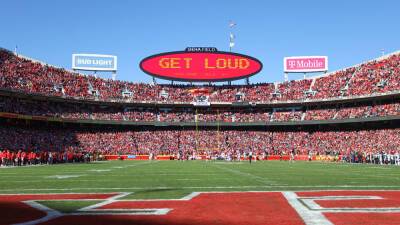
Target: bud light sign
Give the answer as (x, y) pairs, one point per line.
(305, 64)
(94, 62)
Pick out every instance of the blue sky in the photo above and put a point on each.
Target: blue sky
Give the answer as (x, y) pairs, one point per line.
(348, 32)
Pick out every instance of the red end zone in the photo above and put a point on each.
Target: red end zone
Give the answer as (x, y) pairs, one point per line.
(356, 207)
(233, 208)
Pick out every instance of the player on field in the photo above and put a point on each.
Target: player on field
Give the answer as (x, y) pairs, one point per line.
(12, 158)
(180, 155)
(292, 153)
(250, 154)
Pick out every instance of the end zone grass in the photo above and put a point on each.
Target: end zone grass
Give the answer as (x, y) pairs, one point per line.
(174, 179)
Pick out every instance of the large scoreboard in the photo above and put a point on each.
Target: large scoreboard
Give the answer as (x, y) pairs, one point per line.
(203, 64)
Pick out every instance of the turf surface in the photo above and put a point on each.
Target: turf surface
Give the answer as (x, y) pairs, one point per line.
(174, 179)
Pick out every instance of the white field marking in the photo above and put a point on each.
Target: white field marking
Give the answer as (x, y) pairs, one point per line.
(187, 179)
(21, 181)
(312, 213)
(214, 187)
(215, 178)
(254, 177)
(13, 167)
(344, 197)
(120, 173)
(90, 210)
(50, 213)
(192, 193)
(133, 165)
(114, 175)
(94, 209)
(125, 174)
(312, 205)
(66, 193)
(144, 163)
(100, 181)
(41, 181)
(111, 199)
(184, 198)
(99, 171)
(14, 177)
(364, 175)
(309, 217)
(119, 167)
(64, 176)
(129, 212)
(66, 199)
(191, 196)
(197, 192)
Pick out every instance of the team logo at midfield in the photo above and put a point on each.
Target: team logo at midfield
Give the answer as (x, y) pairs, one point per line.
(314, 207)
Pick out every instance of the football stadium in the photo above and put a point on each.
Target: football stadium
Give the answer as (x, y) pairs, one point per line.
(207, 122)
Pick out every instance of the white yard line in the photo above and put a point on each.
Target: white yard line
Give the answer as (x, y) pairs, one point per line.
(65, 176)
(329, 187)
(248, 175)
(99, 170)
(123, 167)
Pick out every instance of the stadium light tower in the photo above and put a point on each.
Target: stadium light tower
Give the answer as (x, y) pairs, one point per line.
(231, 35)
(232, 24)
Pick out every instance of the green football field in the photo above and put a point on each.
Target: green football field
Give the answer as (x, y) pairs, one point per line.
(174, 179)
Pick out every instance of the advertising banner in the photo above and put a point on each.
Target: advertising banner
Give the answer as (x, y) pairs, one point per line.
(305, 64)
(94, 62)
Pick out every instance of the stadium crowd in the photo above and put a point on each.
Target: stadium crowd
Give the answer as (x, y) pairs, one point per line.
(25, 146)
(20, 145)
(25, 158)
(22, 74)
(70, 110)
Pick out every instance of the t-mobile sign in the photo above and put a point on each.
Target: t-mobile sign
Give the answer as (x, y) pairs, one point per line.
(305, 64)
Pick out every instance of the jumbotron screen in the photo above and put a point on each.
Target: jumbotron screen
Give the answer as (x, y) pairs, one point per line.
(200, 66)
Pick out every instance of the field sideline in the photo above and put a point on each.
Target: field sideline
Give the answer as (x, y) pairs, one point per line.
(174, 179)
